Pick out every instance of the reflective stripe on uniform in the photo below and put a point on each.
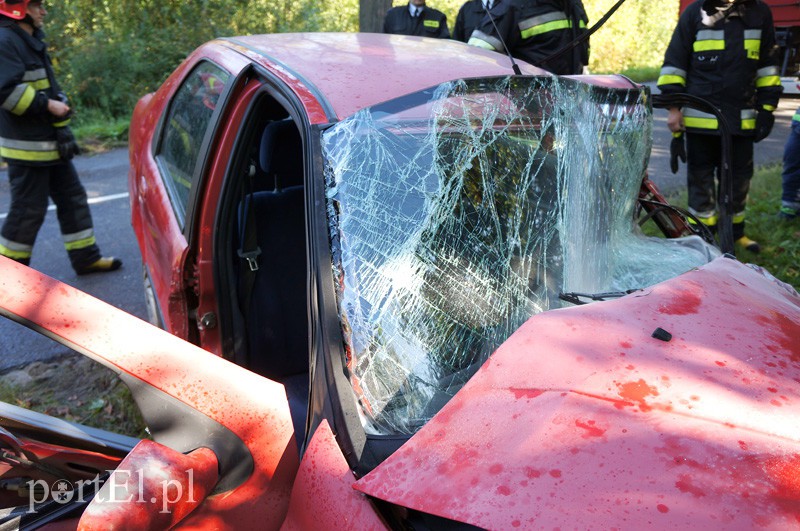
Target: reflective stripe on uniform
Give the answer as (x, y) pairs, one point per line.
(672, 76)
(768, 77)
(37, 79)
(752, 43)
(15, 250)
(23, 94)
(487, 42)
(708, 40)
(796, 117)
(79, 240)
(748, 119)
(28, 150)
(20, 99)
(738, 217)
(699, 120)
(702, 120)
(431, 23)
(708, 218)
(556, 20)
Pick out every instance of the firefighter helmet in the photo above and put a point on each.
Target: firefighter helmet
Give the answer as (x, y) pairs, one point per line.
(15, 9)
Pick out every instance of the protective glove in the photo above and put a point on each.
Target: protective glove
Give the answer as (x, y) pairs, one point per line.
(764, 122)
(67, 146)
(677, 150)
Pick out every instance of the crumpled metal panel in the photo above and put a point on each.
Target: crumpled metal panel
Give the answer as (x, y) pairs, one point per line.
(323, 496)
(583, 420)
(459, 212)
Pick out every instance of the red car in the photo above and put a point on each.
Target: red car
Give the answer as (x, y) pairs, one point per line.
(393, 238)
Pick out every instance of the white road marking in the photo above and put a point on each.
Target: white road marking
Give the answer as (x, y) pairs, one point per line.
(92, 201)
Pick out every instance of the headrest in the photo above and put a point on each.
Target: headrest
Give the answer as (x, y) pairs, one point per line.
(281, 153)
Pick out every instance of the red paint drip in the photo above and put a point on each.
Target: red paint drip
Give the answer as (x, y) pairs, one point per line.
(684, 484)
(687, 301)
(503, 490)
(591, 429)
(619, 404)
(785, 474)
(788, 330)
(526, 393)
(637, 392)
(532, 473)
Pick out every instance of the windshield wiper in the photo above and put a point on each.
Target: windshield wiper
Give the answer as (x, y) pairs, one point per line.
(579, 298)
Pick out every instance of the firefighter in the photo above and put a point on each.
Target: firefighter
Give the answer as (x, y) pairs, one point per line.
(37, 144)
(547, 26)
(724, 52)
(416, 19)
(488, 24)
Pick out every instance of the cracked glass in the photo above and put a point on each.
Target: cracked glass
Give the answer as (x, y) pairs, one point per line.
(459, 212)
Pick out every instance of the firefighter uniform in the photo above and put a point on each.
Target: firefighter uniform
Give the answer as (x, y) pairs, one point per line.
(726, 57)
(546, 26)
(428, 23)
(32, 142)
(492, 29)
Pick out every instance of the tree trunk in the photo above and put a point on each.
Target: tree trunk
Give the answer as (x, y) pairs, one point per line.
(371, 14)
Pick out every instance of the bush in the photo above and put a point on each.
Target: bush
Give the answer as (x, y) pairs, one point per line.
(109, 53)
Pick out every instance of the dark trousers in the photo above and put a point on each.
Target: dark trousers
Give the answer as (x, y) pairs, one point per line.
(704, 169)
(791, 169)
(30, 188)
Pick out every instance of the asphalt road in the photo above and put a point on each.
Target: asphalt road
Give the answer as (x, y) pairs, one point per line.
(105, 179)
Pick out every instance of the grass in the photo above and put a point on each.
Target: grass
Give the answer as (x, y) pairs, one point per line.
(76, 389)
(780, 240)
(96, 134)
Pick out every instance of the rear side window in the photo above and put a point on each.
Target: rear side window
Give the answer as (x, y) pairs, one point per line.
(185, 127)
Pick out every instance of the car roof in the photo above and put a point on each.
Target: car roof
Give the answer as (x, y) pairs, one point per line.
(352, 71)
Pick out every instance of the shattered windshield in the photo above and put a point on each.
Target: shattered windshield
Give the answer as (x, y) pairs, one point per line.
(459, 212)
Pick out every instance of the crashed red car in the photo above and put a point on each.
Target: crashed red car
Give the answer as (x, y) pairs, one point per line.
(384, 258)
(580, 419)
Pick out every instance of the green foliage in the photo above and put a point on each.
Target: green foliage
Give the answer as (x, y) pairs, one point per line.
(108, 53)
(635, 36)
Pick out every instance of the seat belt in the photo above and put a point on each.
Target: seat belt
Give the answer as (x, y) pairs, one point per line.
(249, 250)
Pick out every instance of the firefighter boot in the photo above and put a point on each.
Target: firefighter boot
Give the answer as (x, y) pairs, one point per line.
(101, 265)
(744, 241)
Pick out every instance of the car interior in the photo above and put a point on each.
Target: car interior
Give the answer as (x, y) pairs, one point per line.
(267, 255)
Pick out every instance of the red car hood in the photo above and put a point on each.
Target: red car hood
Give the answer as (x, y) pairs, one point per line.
(583, 420)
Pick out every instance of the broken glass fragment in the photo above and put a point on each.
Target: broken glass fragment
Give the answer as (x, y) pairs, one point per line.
(459, 212)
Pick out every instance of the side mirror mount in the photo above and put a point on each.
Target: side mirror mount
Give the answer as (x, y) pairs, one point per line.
(154, 487)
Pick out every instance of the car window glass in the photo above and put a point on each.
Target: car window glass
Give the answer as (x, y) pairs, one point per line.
(459, 212)
(184, 129)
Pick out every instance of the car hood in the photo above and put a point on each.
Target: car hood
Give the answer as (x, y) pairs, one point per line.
(583, 419)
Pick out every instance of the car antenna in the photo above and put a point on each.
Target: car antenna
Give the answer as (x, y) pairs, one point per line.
(581, 38)
(514, 65)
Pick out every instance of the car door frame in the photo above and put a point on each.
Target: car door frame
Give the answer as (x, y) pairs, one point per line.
(166, 243)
